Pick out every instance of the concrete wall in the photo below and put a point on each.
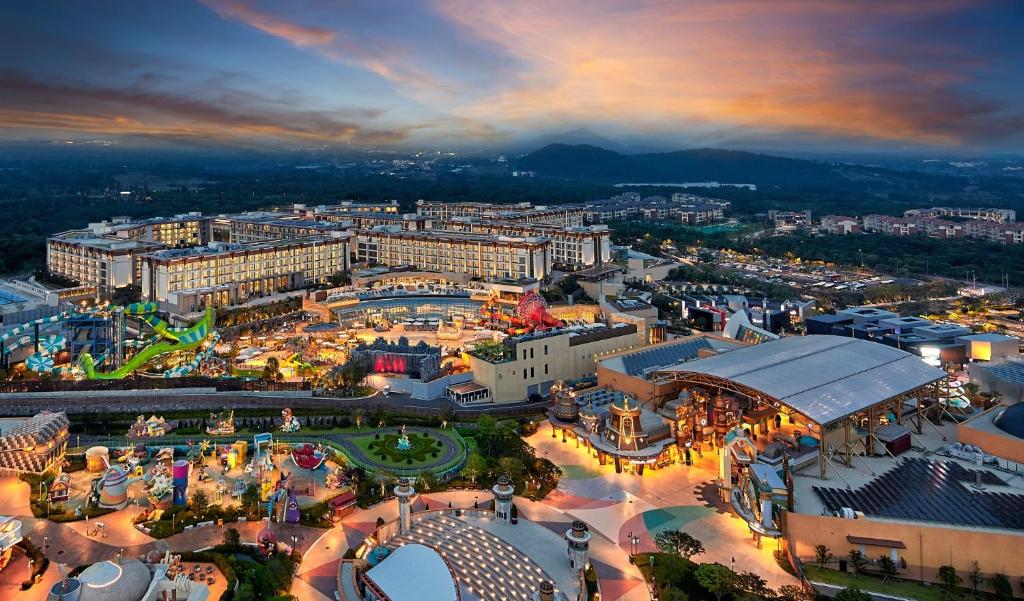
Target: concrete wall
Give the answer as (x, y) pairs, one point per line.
(981, 431)
(417, 389)
(928, 546)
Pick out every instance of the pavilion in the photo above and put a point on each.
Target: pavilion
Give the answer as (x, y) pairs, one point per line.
(838, 395)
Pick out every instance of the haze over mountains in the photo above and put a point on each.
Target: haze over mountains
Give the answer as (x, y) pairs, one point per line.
(589, 162)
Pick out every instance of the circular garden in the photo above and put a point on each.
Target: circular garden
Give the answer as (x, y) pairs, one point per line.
(422, 449)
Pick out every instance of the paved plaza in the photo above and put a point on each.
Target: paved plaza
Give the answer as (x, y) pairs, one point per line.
(614, 505)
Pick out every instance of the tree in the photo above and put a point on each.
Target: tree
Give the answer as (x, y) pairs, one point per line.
(232, 538)
(679, 543)
(791, 592)
(427, 480)
(822, 555)
(754, 585)
(199, 502)
(353, 373)
(245, 592)
(272, 370)
(975, 577)
(1001, 586)
(857, 561)
(251, 500)
(674, 594)
(513, 466)
(949, 580)
(887, 566)
(851, 594)
(716, 578)
(475, 466)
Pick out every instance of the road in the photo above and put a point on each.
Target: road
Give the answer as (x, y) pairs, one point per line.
(148, 401)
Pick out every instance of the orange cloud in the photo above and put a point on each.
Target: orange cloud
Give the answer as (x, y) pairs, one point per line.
(788, 65)
(299, 35)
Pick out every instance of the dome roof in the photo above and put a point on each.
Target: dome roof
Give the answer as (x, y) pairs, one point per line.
(1011, 420)
(109, 581)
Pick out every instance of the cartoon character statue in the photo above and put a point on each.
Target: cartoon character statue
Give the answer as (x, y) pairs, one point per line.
(290, 423)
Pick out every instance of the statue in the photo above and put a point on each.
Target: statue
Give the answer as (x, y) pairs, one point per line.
(403, 440)
(290, 423)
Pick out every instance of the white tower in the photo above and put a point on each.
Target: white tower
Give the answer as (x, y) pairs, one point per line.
(503, 492)
(578, 537)
(405, 492)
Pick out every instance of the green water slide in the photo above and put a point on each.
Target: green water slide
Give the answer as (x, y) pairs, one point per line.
(147, 312)
(180, 339)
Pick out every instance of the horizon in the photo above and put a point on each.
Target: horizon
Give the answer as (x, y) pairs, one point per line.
(911, 78)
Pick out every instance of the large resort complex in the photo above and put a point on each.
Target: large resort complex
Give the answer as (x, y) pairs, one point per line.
(380, 337)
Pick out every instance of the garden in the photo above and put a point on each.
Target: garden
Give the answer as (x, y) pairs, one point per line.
(422, 449)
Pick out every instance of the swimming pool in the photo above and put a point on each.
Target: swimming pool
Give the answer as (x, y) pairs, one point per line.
(9, 298)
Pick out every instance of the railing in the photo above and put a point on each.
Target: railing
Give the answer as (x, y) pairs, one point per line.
(141, 383)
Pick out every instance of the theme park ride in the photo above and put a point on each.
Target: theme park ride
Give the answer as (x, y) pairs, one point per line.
(223, 426)
(530, 314)
(101, 329)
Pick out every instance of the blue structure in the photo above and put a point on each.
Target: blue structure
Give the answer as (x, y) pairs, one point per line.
(90, 334)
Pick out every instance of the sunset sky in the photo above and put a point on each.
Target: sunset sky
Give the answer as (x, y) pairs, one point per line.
(786, 74)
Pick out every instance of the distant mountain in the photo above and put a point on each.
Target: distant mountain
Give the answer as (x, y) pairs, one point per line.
(577, 137)
(584, 161)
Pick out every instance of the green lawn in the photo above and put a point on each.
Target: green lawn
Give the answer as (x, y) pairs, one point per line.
(369, 445)
(899, 588)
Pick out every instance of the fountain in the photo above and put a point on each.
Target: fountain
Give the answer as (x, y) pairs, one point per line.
(403, 441)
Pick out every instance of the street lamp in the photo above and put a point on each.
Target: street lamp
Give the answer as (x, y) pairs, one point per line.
(633, 541)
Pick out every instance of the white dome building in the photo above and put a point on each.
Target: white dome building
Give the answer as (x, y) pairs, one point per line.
(108, 581)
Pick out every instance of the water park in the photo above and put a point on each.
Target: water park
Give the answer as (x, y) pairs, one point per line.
(106, 342)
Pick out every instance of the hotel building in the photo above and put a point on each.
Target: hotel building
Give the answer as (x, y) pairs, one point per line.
(185, 280)
(106, 263)
(487, 257)
(522, 213)
(573, 247)
(265, 226)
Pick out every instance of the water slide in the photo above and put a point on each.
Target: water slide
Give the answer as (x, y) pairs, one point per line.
(180, 339)
(147, 312)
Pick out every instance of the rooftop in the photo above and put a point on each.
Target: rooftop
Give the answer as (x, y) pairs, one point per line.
(649, 359)
(823, 377)
(934, 491)
(413, 572)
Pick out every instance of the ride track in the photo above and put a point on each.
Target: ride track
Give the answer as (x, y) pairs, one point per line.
(342, 441)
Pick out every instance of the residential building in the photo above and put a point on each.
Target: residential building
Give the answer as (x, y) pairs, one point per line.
(840, 224)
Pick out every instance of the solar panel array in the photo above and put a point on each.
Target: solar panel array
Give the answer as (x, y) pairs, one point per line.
(637, 363)
(1011, 371)
(932, 491)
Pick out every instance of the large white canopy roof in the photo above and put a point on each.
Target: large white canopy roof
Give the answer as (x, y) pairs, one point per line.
(825, 378)
(414, 573)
